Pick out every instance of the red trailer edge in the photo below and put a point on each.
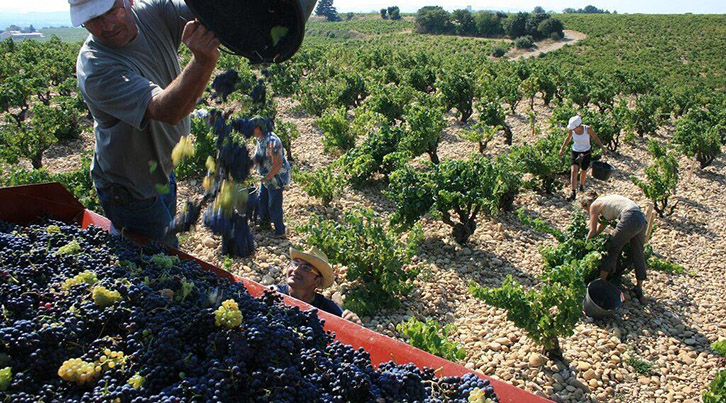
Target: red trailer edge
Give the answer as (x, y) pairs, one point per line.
(29, 203)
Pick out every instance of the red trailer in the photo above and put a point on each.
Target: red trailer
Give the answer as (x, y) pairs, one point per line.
(25, 204)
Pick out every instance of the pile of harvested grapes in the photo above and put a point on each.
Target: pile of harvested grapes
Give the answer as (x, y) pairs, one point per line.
(91, 317)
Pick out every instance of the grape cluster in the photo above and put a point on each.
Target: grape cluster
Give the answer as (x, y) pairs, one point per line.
(159, 340)
(225, 84)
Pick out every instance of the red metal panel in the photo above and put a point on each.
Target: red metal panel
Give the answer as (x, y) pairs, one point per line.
(25, 204)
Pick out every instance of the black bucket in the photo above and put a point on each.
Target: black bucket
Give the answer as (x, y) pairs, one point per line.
(602, 299)
(263, 31)
(602, 170)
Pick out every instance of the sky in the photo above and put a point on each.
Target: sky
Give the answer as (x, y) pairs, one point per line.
(622, 6)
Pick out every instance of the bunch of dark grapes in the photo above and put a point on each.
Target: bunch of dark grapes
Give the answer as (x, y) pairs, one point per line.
(160, 339)
(225, 84)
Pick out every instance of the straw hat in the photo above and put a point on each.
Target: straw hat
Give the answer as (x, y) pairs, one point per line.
(84, 10)
(319, 260)
(574, 122)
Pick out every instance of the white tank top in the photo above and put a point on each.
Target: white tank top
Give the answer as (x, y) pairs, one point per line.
(581, 142)
(613, 205)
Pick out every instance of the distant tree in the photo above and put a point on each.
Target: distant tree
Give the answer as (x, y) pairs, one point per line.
(569, 10)
(539, 10)
(591, 10)
(488, 24)
(325, 8)
(515, 25)
(531, 26)
(348, 16)
(384, 13)
(394, 13)
(466, 26)
(433, 20)
(551, 28)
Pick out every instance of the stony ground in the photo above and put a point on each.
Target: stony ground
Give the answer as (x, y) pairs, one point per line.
(672, 331)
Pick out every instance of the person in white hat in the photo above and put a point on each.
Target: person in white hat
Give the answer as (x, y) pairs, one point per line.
(581, 151)
(308, 272)
(129, 75)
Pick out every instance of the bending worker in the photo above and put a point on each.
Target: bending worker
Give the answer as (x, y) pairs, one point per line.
(129, 75)
(631, 229)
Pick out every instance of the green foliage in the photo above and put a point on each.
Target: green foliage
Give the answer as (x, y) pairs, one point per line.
(336, 130)
(540, 225)
(640, 365)
(498, 51)
(424, 126)
(431, 337)
(546, 313)
(542, 161)
(323, 183)
(455, 190)
(78, 182)
(389, 100)
(481, 134)
(457, 88)
(285, 78)
(697, 135)
(376, 258)
(661, 179)
(314, 97)
(287, 132)
(719, 347)
(716, 392)
(28, 140)
(507, 89)
(433, 20)
(377, 154)
(606, 125)
(326, 9)
(524, 42)
(204, 147)
(492, 114)
(645, 114)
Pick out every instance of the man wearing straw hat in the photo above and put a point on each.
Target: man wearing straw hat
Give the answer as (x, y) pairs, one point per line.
(308, 272)
(129, 75)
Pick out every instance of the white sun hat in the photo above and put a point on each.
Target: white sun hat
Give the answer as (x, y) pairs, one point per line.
(84, 10)
(574, 122)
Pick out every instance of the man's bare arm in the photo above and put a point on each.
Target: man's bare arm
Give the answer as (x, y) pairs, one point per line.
(179, 98)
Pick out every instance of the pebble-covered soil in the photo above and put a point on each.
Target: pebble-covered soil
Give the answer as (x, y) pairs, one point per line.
(667, 338)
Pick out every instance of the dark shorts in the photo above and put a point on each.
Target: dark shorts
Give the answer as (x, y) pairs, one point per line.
(584, 163)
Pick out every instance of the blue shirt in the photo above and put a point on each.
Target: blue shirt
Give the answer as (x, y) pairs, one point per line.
(319, 301)
(271, 145)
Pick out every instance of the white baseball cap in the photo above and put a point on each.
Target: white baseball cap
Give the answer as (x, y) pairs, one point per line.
(574, 122)
(84, 10)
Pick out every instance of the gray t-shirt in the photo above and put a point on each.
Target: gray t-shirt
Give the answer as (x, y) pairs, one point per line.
(118, 83)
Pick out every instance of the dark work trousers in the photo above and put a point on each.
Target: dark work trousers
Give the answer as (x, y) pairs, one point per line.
(631, 229)
(150, 217)
(270, 207)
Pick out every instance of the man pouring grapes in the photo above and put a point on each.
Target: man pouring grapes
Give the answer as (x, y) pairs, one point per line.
(130, 77)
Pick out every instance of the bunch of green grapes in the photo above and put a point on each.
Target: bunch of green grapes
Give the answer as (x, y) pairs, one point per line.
(6, 376)
(136, 381)
(71, 248)
(79, 371)
(104, 297)
(111, 359)
(228, 315)
(85, 277)
(182, 150)
(231, 196)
